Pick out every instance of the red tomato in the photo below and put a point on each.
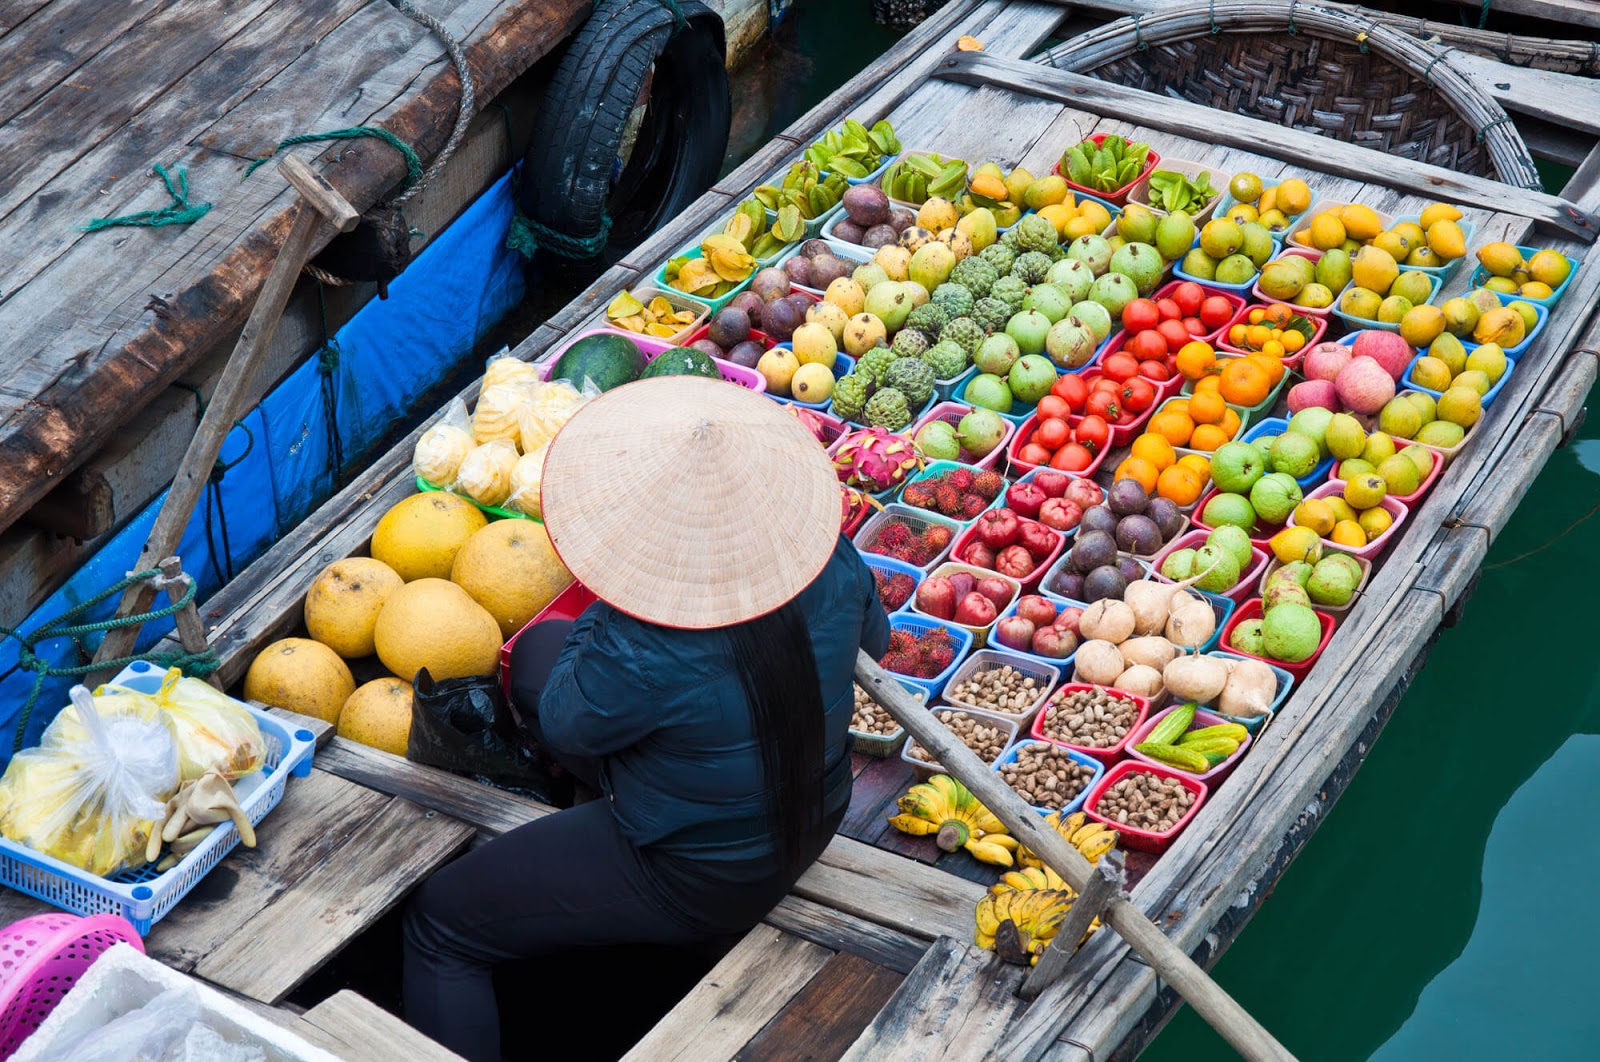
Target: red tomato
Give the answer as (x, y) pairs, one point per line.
(1175, 334)
(1216, 312)
(1034, 454)
(1151, 369)
(1189, 296)
(1169, 309)
(1196, 326)
(1147, 344)
(1119, 366)
(1071, 389)
(1138, 395)
(1139, 315)
(1053, 405)
(1072, 458)
(1052, 433)
(1093, 433)
(1104, 384)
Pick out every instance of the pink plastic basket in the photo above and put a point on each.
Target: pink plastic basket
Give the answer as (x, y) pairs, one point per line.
(41, 958)
(1239, 592)
(653, 348)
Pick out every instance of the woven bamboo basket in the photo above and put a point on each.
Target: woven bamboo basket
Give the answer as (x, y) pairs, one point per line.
(1314, 69)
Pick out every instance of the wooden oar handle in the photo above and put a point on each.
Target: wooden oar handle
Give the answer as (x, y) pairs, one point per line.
(319, 193)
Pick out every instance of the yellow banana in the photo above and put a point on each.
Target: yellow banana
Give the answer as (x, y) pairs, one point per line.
(1098, 845)
(985, 918)
(913, 825)
(986, 852)
(1086, 831)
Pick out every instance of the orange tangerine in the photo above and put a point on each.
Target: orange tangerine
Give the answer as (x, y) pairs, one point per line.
(1139, 470)
(1207, 437)
(1230, 422)
(1175, 427)
(1180, 484)
(1236, 335)
(1278, 314)
(1256, 316)
(1196, 359)
(1155, 448)
(1293, 341)
(1273, 347)
(1206, 407)
(1208, 384)
(1200, 463)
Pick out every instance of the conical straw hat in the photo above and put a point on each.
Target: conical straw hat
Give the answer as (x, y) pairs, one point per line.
(690, 502)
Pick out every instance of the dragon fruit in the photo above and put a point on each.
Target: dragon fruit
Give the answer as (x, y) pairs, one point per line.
(875, 459)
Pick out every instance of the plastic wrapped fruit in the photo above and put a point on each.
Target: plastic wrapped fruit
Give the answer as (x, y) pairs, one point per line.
(526, 477)
(485, 475)
(499, 411)
(439, 453)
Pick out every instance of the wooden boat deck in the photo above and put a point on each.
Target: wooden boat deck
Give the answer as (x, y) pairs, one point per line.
(868, 958)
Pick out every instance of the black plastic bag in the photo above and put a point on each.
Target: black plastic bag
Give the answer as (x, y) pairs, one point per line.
(465, 726)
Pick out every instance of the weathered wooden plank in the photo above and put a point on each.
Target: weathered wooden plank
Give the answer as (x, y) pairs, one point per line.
(343, 895)
(953, 1006)
(1554, 143)
(370, 1032)
(825, 1016)
(838, 931)
(1333, 156)
(1569, 12)
(890, 890)
(1571, 101)
(292, 1022)
(751, 984)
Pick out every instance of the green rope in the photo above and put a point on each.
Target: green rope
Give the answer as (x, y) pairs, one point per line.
(413, 164)
(198, 664)
(1490, 124)
(525, 236)
(1483, 14)
(178, 212)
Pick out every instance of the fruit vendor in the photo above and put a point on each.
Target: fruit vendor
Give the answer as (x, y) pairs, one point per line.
(707, 695)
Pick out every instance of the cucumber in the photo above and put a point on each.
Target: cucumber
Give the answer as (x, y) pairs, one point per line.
(1172, 727)
(1175, 756)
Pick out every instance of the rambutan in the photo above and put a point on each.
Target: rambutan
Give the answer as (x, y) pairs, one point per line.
(989, 484)
(947, 500)
(919, 494)
(959, 478)
(894, 589)
(937, 537)
(971, 506)
(895, 534)
(901, 662)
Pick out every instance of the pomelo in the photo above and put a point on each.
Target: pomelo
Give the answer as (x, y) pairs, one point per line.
(301, 675)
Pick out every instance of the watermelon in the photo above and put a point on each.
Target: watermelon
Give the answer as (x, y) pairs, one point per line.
(605, 360)
(682, 361)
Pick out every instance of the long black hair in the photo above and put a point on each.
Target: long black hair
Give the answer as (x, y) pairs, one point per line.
(778, 670)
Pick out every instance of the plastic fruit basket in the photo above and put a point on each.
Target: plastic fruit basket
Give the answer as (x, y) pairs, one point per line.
(1297, 234)
(1352, 321)
(1447, 454)
(1260, 534)
(1397, 509)
(653, 348)
(918, 625)
(678, 300)
(567, 605)
(1119, 196)
(1333, 610)
(1140, 192)
(1252, 610)
(1023, 434)
(1521, 348)
(1132, 837)
(660, 281)
(918, 520)
(1272, 427)
(1469, 229)
(1060, 566)
(1236, 301)
(1254, 723)
(142, 895)
(1031, 580)
(1408, 500)
(890, 566)
(1240, 591)
(882, 746)
(848, 251)
(1111, 753)
(951, 413)
(1202, 718)
(1033, 474)
(1045, 676)
(1229, 202)
(1488, 397)
(924, 770)
(935, 469)
(1480, 275)
(949, 567)
(1062, 663)
(1076, 803)
(41, 958)
(1316, 313)
(1319, 332)
(1124, 434)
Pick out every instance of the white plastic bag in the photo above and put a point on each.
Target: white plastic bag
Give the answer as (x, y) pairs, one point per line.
(151, 1033)
(485, 476)
(498, 414)
(442, 448)
(551, 406)
(527, 477)
(504, 369)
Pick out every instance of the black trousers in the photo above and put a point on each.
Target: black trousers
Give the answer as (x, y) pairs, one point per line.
(569, 880)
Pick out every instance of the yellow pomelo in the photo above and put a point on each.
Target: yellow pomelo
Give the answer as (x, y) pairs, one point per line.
(1431, 372)
(1341, 509)
(379, 714)
(1365, 490)
(343, 603)
(1549, 268)
(1245, 187)
(847, 294)
(435, 624)
(419, 537)
(511, 569)
(301, 675)
(1412, 233)
(1488, 359)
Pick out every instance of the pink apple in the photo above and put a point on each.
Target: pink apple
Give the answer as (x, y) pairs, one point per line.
(975, 610)
(1037, 610)
(1014, 632)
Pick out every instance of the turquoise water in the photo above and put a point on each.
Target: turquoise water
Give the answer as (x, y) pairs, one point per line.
(1442, 910)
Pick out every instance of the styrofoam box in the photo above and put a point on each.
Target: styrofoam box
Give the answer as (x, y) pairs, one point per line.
(123, 980)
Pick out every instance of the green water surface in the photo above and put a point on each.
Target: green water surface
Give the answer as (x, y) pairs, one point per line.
(1443, 909)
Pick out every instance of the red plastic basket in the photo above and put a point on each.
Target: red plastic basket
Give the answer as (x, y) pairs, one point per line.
(1252, 610)
(1132, 837)
(567, 605)
(41, 958)
(1123, 434)
(1240, 592)
(1111, 753)
(1020, 439)
(1319, 328)
(1260, 535)
(1120, 196)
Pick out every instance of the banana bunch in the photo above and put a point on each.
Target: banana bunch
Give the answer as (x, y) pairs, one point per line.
(1031, 878)
(854, 150)
(946, 808)
(748, 225)
(805, 189)
(915, 177)
(1092, 839)
(1019, 925)
(723, 265)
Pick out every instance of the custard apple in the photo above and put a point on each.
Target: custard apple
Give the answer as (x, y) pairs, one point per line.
(887, 408)
(1008, 240)
(1000, 256)
(953, 299)
(946, 359)
(992, 313)
(874, 363)
(1031, 268)
(1035, 233)
(929, 318)
(976, 275)
(912, 378)
(965, 333)
(910, 343)
(850, 395)
(1010, 291)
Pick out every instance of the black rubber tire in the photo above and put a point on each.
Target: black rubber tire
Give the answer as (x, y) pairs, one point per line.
(568, 182)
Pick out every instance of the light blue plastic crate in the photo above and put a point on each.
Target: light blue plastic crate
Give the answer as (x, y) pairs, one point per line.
(1520, 349)
(141, 895)
(1076, 804)
(1275, 426)
(1353, 322)
(1255, 723)
(891, 566)
(1480, 275)
(1486, 400)
(1469, 229)
(918, 625)
(1228, 202)
(716, 304)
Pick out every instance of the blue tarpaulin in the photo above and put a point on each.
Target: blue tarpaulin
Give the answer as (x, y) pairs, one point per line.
(279, 458)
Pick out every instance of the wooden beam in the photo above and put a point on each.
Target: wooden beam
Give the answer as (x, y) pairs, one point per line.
(1107, 882)
(1567, 12)
(370, 1032)
(1332, 156)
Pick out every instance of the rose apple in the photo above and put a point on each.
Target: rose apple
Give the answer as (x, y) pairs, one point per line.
(1015, 561)
(1036, 609)
(1084, 493)
(1059, 514)
(1026, 498)
(1014, 632)
(1037, 539)
(997, 529)
(998, 591)
(1068, 619)
(978, 555)
(937, 597)
(1054, 643)
(1053, 484)
(975, 610)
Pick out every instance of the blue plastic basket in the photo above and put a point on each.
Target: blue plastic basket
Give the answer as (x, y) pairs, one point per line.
(842, 365)
(1527, 341)
(716, 304)
(937, 468)
(1469, 229)
(1354, 322)
(1488, 397)
(1228, 202)
(920, 625)
(889, 564)
(1480, 274)
(141, 895)
(1254, 723)
(1275, 426)
(1076, 804)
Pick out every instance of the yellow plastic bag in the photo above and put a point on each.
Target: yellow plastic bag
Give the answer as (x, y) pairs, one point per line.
(92, 790)
(212, 731)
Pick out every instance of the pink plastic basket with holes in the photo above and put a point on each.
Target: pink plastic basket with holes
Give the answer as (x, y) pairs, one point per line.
(41, 958)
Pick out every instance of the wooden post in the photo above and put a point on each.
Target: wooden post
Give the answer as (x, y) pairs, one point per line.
(317, 199)
(1220, 1010)
(191, 632)
(1105, 883)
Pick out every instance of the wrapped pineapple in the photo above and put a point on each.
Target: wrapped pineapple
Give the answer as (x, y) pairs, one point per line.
(526, 478)
(485, 474)
(552, 405)
(499, 411)
(443, 447)
(504, 369)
